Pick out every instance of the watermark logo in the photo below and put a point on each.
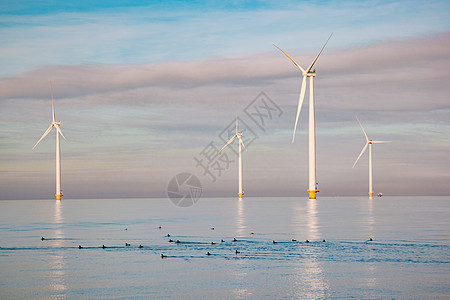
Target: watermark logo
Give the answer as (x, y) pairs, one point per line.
(184, 189)
(262, 109)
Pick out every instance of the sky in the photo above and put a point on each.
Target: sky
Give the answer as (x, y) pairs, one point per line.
(146, 90)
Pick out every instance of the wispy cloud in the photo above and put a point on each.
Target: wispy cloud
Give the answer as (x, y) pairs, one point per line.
(140, 93)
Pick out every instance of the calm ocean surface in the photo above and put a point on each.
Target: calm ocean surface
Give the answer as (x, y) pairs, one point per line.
(409, 257)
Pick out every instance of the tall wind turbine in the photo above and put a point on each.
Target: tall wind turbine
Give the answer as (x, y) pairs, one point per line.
(368, 143)
(241, 144)
(313, 186)
(55, 124)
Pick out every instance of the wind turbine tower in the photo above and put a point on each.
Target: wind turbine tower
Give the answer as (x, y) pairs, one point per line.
(368, 143)
(241, 144)
(55, 124)
(313, 185)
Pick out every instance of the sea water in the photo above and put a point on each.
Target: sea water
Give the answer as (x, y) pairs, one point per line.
(408, 256)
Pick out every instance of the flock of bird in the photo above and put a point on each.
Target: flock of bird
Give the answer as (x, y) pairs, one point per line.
(179, 242)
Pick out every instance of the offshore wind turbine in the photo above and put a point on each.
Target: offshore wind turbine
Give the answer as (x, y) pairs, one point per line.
(241, 144)
(313, 185)
(368, 143)
(55, 124)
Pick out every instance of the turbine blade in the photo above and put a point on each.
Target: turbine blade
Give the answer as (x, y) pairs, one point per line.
(367, 139)
(242, 142)
(229, 142)
(314, 61)
(53, 105)
(43, 136)
(362, 151)
(60, 132)
(236, 121)
(303, 71)
(300, 103)
(379, 142)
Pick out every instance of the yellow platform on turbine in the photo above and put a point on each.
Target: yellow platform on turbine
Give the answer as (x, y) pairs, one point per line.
(312, 194)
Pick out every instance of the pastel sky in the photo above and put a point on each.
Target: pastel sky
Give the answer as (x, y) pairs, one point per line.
(142, 89)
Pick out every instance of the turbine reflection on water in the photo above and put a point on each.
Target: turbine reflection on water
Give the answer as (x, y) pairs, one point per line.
(314, 272)
(240, 292)
(240, 218)
(371, 268)
(58, 264)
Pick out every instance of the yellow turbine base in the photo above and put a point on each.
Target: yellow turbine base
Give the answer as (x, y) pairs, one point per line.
(371, 195)
(240, 195)
(58, 197)
(312, 194)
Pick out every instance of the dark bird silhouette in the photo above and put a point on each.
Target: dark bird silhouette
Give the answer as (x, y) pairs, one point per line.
(170, 241)
(178, 241)
(370, 239)
(212, 243)
(140, 246)
(207, 253)
(163, 256)
(126, 244)
(103, 246)
(307, 241)
(79, 247)
(294, 240)
(222, 241)
(42, 238)
(237, 252)
(274, 242)
(234, 240)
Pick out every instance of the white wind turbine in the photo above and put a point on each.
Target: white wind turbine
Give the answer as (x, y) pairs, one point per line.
(368, 143)
(55, 124)
(241, 143)
(313, 186)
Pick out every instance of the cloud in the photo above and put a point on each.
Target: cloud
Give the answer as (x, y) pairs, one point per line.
(136, 32)
(133, 126)
(390, 75)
